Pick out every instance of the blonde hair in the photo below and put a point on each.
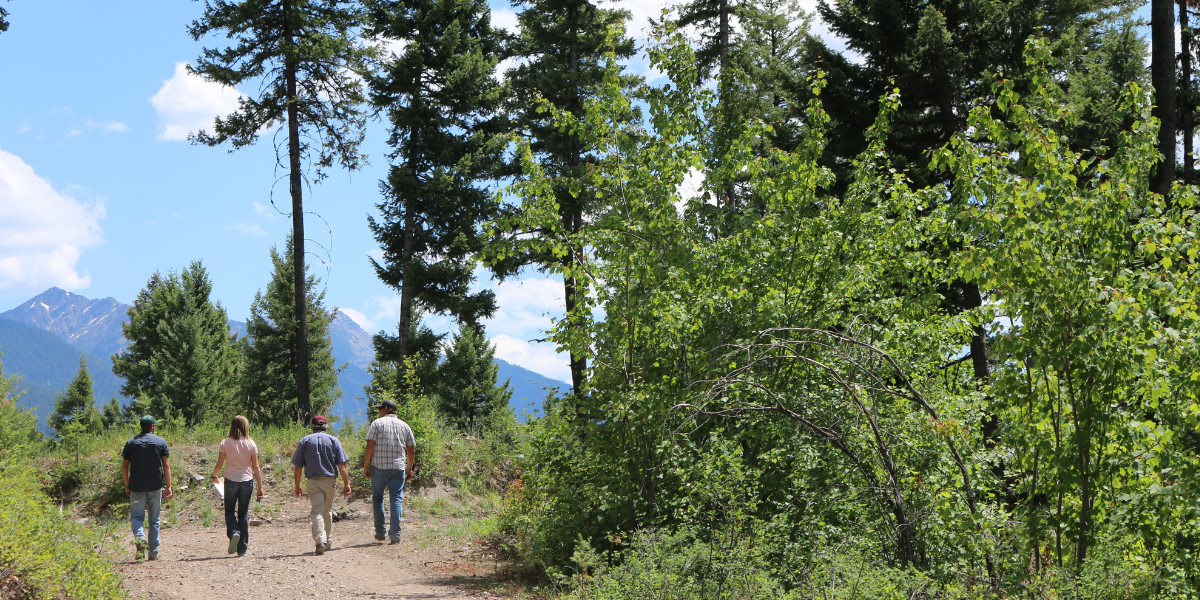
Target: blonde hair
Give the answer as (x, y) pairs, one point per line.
(239, 428)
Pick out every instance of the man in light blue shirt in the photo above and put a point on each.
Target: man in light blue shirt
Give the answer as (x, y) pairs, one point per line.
(321, 458)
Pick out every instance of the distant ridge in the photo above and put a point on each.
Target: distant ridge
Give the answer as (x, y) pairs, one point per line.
(91, 325)
(43, 337)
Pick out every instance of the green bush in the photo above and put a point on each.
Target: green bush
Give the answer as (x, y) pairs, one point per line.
(58, 557)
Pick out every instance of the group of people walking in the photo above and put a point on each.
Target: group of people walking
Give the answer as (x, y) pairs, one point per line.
(319, 457)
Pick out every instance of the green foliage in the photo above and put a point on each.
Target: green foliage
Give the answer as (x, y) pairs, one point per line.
(268, 385)
(114, 415)
(20, 436)
(58, 557)
(77, 405)
(467, 391)
(799, 366)
(181, 355)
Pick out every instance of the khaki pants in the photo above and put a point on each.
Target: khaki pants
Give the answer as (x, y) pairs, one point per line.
(320, 494)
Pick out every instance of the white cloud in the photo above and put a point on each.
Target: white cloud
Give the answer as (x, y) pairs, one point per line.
(505, 18)
(42, 231)
(359, 318)
(187, 103)
(25, 126)
(251, 228)
(114, 126)
(537, 357)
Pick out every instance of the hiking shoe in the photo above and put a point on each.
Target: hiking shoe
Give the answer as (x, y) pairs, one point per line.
(329, 545)
(320, 548)
(140, 547)
(153, 555)
(233, 541)
(241, 554)
(379, 537)
(394, 540)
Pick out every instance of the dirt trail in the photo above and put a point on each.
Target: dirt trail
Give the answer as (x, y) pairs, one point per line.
(193, 562)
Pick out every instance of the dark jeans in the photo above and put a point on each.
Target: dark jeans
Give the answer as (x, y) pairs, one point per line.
(237, 496)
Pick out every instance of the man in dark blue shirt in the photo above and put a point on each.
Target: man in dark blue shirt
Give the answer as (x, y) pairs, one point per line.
(321, 458)
(146, 468)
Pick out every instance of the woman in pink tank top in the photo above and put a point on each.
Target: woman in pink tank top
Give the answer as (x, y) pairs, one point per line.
(239, 455)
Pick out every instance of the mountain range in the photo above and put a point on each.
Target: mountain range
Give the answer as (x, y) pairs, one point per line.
(43, 339)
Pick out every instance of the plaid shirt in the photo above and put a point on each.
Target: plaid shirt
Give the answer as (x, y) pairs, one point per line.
(390, 435)
(320, 454)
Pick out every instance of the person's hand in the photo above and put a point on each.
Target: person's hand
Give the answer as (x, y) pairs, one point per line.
(367, 471)
(167, 493)
(260, 493)
(346, 490)
(127, 492)
(298, 492)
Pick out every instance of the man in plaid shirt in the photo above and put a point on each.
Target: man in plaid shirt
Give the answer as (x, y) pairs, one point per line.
(388, 462)
(321, 458)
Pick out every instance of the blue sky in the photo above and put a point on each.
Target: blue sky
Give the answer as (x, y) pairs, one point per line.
(99, 188)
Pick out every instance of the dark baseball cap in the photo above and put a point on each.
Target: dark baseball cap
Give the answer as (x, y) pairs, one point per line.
(319, 421)
(149, 420)
(388, 404)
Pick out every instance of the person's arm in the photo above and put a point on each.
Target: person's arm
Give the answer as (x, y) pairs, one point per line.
(220, 463)
(257, 474)
(345, 478)
(125, 474)
(367, 459)
(411, 453)
(167, 493)
(296, 475)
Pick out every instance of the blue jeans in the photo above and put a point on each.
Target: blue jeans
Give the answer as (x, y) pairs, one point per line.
(139, 504)
(393, 481)
(237, 497)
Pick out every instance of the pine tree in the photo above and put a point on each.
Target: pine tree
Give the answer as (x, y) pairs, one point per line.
(270, 387)
(562, 44)
(181, 354)
(3, 19)
(467, 390)
(77, 403)
(306, 58)
(442, 99)
(113, 414)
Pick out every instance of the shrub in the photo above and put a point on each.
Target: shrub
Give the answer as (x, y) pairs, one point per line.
(57, 556)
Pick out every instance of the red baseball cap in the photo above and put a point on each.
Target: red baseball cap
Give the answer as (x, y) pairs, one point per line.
(319, 420)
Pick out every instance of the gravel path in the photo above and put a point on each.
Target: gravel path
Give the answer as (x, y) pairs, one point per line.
(280, 564)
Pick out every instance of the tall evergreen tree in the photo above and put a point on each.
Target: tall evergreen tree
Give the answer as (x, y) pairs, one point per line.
(467, 390)
(270, 372)
(442, 99)
(306, 58)
(77, 403)
(181, 354)
(562, 44)
(3, 19)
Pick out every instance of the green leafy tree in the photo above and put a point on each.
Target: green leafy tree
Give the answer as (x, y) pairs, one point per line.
(306, 58)
(77, 403)
(562, 44)
(422, 364)
(467, 389)
(442, 99)
(3, 19)
(270, 371)
(181, 354)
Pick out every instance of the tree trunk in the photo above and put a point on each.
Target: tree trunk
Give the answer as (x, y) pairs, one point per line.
(1186, 105)
(1162, 76)
(573, 217)
(303, 401)
(406, 292)
(723, 35)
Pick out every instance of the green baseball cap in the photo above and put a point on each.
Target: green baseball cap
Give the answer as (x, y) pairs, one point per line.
(149, 420)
